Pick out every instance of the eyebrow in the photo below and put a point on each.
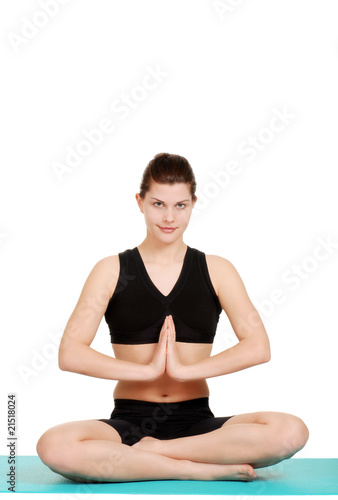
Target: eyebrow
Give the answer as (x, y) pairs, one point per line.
(152, 198)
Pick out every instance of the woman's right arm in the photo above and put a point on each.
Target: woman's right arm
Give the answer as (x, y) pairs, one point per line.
(75, 353)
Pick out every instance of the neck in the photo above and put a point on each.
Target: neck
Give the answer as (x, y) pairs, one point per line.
(165, 253)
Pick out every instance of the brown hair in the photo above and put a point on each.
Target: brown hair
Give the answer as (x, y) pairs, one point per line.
(167, 168)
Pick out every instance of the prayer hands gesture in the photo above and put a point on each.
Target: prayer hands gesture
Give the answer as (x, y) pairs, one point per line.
(166, 357)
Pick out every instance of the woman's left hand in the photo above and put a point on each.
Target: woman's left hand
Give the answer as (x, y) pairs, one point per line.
(174, 367)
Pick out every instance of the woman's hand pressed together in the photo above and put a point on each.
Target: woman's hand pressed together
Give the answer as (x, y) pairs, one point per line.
(158, 363)
(166, 357)
(174, 367)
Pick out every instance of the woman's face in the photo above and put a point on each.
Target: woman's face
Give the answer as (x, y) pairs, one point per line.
(166, 206)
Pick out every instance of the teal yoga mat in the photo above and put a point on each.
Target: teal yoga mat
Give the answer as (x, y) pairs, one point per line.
(296, 476)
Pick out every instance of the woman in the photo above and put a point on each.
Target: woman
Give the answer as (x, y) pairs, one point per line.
(162, 302)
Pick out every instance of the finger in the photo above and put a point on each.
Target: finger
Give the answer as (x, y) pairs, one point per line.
(165, 324)
(168, 326)
(171, 320)
(163, 332)
(172, 328)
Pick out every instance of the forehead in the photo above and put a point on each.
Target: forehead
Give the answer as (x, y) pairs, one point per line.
(170, 192)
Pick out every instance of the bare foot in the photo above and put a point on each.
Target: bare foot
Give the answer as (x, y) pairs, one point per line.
(148, 443)
(220, 472)
(141, 442)
(204, 471)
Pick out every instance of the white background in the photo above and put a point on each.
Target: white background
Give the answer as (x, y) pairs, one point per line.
(224, 75)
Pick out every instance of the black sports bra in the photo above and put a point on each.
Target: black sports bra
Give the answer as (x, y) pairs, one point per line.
(137, 309)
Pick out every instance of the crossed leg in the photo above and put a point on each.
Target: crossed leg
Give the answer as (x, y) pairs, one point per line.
(92, 451)
(259, 439)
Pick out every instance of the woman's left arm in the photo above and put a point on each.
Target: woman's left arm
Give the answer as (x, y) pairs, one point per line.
(253, 347)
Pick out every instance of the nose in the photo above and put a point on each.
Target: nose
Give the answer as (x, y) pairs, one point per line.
(168, 216)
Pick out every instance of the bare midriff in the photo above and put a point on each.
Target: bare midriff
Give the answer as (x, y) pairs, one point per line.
(164, 389)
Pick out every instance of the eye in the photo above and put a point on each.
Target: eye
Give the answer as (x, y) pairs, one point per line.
(156, 203)
(181, 205)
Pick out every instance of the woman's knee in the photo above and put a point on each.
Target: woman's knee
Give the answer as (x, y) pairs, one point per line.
(292, 435)
(51, 448)
(58, 446)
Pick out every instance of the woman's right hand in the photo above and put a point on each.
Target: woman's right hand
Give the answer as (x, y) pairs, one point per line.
(158, 363)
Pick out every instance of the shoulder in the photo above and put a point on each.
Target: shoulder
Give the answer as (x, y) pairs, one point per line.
(222, 272)
(219, 263)
(105, 273)
(106, 263)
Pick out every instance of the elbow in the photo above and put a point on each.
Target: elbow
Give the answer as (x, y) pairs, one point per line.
(267, 356)
(67, 355)
(64, 361)
(62, 364)
(72, 358)
(261, 352)
(264, 354)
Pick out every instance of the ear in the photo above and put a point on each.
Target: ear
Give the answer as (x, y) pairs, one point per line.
(139, 201)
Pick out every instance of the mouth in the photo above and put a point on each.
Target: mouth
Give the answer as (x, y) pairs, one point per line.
(167, 229)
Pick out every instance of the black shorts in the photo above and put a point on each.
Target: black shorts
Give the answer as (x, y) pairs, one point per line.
(135, 419)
